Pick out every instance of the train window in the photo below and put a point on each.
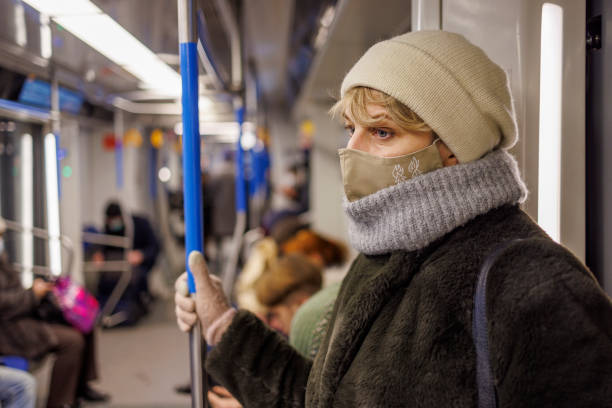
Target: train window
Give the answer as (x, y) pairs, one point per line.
(549, 165)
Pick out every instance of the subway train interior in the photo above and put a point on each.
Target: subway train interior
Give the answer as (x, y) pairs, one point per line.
(133, 132)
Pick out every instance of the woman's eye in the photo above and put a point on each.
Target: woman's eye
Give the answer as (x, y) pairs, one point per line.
(350, 129)
(382, 133)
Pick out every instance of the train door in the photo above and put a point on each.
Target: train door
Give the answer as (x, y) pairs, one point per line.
(598, 142)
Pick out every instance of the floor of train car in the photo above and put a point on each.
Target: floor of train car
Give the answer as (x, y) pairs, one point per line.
(140, 366)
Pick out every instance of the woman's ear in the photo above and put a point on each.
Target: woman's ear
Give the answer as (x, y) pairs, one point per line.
(448, 157)
(450, 161)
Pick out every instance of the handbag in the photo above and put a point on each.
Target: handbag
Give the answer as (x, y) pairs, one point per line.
(79, 307)
(487, 394)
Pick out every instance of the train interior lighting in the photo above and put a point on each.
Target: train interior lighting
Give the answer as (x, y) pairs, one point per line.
(551, 97)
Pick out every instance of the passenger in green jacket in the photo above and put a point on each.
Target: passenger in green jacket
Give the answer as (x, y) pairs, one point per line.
(431, 193)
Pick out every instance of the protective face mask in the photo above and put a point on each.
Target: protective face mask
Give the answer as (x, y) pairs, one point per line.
(364, 174)
(115, 225)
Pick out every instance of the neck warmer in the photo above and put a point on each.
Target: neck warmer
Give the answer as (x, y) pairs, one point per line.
(413, 214)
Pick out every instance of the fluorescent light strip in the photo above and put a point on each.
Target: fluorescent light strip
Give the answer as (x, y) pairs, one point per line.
(53, 216)
(87, 22)
(551, 70)
(46, 43)
(27, 210)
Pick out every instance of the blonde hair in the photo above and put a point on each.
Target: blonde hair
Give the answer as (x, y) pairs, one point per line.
(355, 101)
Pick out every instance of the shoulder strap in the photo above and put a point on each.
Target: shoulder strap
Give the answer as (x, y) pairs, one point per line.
(487, 397)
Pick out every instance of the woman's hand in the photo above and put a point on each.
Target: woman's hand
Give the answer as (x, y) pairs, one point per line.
(220, 397)
(41, 288)
(209, 302)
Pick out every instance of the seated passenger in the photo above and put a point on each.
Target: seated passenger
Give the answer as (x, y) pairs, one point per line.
(27, 329)
(432, 195)
(285, 287)
(17, 388)
(141, 256)
(327, 253)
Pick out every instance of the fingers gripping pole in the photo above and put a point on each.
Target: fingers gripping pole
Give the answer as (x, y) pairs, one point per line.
(191, 177)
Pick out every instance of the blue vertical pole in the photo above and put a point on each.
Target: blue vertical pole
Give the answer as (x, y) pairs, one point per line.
(191, 153)
(241, 199)
(192, 188)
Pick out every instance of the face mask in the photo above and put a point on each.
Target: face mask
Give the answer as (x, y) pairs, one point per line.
(364, 174)
(115, 225)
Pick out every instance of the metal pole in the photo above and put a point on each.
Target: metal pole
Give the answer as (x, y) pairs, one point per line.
(229, 273)
(192, 188)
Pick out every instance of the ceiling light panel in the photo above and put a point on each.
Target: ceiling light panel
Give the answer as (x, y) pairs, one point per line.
(58, 8)
(98, 30)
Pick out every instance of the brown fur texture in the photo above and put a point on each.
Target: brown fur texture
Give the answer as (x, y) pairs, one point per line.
(401, 330)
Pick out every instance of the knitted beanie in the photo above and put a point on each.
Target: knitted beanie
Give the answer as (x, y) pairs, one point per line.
(449, 82)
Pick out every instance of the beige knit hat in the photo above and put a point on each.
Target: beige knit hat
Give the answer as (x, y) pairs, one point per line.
(449, 82)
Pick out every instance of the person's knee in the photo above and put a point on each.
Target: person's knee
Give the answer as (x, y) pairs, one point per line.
(29, 387)
(72, 340)
(19, 387)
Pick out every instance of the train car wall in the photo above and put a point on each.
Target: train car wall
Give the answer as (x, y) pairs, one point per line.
(510, 34)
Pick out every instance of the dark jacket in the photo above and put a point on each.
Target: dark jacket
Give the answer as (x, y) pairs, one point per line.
(145, 241)
(401, 330)
(21, 333)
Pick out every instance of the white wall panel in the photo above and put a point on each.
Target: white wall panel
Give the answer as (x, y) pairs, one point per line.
(509, 32)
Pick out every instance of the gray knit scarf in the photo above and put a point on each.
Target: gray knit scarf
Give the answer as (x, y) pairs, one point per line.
(412, 214)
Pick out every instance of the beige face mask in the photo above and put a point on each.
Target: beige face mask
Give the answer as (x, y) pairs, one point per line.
(364, 174)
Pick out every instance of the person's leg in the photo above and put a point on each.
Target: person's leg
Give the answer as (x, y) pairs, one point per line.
(17, 388)
(89, 372)
(89, 366)
(67, 367)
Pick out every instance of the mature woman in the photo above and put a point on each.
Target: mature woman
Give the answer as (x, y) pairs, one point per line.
(431, 193)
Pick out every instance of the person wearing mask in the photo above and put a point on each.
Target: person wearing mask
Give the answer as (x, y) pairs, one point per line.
(432, 200)
(27, 332)
(17, 388)
(141, 256)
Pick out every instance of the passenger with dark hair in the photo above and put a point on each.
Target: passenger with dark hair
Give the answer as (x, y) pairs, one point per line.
(141, 256)
(31, 327)
(457, 297)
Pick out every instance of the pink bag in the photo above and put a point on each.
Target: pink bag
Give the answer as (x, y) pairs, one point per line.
(79, 307)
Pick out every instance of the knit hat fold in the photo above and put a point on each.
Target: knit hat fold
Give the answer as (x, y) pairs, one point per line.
(449, 82)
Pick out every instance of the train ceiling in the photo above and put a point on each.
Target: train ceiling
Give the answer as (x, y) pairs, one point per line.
(299, 50)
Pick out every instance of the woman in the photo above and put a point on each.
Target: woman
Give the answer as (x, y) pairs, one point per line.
(26, 332)
(431, 193)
